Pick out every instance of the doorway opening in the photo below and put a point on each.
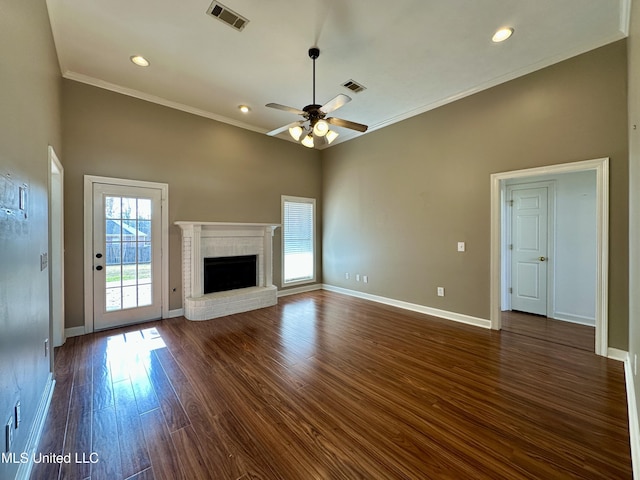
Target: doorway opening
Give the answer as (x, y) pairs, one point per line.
(499, 234)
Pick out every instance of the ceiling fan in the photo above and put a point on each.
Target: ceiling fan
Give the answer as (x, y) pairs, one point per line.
(315, 125)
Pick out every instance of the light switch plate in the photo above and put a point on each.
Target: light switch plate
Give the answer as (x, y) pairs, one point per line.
(461, 246)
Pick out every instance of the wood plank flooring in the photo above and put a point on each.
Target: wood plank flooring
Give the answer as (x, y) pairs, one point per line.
(324, 386)
(550, 330)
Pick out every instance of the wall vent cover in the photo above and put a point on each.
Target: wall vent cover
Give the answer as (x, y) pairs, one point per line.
(354, 86)
(226, 15)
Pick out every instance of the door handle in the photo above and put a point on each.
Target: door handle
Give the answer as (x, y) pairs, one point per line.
(99, 267)
(542, 259)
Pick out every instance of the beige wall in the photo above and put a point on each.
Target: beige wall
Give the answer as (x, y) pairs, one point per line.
(216, 172)
(397, 201)
(29, 122)
(634, 201)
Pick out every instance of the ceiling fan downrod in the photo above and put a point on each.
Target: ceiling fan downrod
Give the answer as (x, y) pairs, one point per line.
(314, 52)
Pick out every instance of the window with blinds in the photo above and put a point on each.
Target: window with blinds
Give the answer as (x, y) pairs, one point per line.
(298, 233)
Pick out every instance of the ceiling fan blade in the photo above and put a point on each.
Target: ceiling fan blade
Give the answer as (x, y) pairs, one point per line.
(278, 131)
(335, 103)
(347, 124)
(285, 108)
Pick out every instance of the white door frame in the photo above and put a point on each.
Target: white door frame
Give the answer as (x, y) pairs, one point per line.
(508, 239)
(601, 167)
(56, 249)
(89, 180)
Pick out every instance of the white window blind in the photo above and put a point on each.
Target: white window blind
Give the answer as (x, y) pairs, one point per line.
(298, 239)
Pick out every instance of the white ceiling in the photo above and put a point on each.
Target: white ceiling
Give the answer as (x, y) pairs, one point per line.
(411, 55)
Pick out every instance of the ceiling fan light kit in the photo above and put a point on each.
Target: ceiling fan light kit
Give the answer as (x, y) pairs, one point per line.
(314, 115)
(307, 141)
(321, 128)
(331, 136)
(296, 132)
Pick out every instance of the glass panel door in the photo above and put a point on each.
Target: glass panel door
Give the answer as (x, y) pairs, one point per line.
(126, 255)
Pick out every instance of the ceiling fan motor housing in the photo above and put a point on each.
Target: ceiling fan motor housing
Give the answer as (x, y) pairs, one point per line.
(313, 113)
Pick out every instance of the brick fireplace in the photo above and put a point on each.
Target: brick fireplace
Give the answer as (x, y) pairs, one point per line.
(202, 240)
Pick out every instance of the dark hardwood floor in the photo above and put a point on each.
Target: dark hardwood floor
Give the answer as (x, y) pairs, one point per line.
(324, 386)
(550, 330)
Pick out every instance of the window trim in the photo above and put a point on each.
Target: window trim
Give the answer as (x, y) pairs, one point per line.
(312, 201)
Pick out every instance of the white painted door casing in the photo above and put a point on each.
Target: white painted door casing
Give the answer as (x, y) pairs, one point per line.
(89, 247)
(498, 234)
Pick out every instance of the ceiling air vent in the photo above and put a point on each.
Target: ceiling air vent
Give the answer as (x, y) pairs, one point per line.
(226, 15)
(354, 86)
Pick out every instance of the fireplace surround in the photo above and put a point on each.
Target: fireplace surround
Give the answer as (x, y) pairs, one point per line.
(202, 240)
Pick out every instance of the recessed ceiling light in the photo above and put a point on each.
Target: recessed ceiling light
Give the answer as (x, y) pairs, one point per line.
(502, 34)
(139, 60)
(244, 108)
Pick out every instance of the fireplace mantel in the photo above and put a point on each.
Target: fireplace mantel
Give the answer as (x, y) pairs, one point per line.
(226, 226)
(218, 239)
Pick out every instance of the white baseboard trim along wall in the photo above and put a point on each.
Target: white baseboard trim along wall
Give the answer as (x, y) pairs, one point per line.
(456, 317)
(33, 441)
(74, 332)
(178, 312)
(615, 354)
(634, 421)
(296, 290)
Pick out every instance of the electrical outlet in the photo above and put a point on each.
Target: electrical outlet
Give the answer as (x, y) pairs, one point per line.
(357, 277)
(347, 276)
(441, 291)
(8, 434)
(365, 278)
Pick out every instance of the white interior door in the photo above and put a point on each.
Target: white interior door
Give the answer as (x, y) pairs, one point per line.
(529, 260)
(127, 274)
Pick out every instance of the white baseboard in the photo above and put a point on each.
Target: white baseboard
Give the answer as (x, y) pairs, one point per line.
(634, 421)
(73, 332)
(569, 317)
(303, 289)
(178, 312)
(456, 317)
(616, 354)
(24, 469)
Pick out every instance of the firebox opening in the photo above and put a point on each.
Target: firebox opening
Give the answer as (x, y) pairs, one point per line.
(230, 273)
